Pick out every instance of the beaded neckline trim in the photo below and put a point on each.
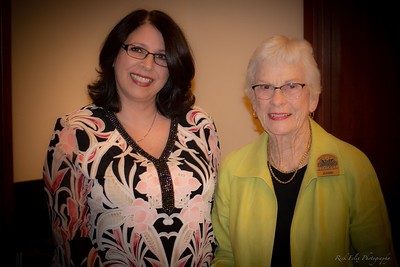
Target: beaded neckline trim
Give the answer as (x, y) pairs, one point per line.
(168, 147)
(164, 175)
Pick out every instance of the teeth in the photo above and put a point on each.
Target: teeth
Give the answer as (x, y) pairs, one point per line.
(274, 115)
(141, 79)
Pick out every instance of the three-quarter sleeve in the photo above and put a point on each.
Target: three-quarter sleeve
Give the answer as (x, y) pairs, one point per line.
(66, 190)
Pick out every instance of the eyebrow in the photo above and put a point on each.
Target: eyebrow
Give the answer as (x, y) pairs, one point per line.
(286, 82)
(142, 45)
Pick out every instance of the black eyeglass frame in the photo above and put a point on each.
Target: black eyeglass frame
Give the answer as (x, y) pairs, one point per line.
(155, 55)
(277, 87)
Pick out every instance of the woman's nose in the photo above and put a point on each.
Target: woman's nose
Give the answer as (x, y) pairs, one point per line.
(148, 61)
(278, 97)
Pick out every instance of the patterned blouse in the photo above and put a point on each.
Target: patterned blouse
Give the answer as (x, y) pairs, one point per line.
(113, 204)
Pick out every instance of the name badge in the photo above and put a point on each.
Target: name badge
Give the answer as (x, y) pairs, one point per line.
(327, 165)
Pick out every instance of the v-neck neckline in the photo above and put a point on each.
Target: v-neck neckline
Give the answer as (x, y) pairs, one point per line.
(131, 142)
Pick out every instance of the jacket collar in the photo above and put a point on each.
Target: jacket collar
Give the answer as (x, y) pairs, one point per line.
(323, 145)
(254, 163)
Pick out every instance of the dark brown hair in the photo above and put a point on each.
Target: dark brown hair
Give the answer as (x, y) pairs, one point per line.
(175, 97)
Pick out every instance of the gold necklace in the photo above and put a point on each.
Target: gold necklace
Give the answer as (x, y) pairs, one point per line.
(303, 157)
(148, 131)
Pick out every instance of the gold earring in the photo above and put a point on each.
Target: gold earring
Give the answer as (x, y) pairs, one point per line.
(254, 114)
(311, 115)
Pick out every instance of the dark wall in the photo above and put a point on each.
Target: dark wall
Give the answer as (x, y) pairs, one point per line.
(357, 46)
(32, 225)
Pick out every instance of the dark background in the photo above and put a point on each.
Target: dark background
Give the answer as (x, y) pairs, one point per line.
(357, 48)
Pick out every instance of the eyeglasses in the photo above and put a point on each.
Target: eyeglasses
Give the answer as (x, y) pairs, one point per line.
(266, 91)
(141, 53)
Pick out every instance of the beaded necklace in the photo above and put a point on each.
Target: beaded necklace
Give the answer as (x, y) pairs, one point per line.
(301, 162)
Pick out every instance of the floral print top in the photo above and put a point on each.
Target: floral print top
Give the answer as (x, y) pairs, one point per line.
(113, 204)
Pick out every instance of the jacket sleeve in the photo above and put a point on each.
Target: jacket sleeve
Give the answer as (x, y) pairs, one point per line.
(66, 193)
(220, 219)
(370, 231)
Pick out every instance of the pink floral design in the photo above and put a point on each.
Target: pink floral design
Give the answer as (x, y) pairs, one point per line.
(150, 185)
(139, 215)
(67, 142)
(193, 214)
(184, 184)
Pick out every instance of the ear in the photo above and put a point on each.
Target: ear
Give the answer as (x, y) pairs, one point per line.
(313, 102)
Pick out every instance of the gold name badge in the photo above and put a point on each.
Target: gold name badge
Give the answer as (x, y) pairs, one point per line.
(327, 165)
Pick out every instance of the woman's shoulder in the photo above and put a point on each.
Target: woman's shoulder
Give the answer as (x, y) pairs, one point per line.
(347, 153)
(198, 110)
(89, 110)
(347, 149)
(197, 115)
(89, 115)
(351, 153)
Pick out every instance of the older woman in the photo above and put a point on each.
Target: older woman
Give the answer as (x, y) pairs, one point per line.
(296, 196)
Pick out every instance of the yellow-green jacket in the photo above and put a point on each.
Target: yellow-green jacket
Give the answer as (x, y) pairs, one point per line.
(340, 218)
